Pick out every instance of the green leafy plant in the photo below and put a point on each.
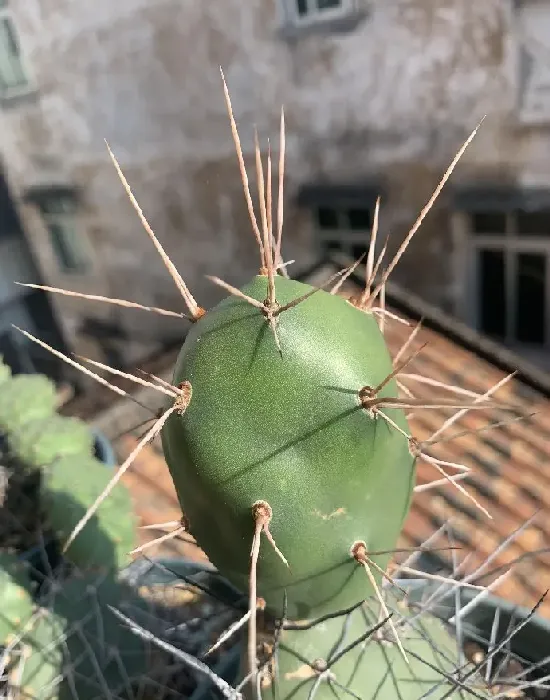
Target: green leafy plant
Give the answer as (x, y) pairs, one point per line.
(284, 423)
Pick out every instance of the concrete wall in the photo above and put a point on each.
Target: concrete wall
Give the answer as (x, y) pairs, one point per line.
(394, 97)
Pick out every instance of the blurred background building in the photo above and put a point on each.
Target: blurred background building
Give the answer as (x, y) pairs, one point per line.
(378, 98)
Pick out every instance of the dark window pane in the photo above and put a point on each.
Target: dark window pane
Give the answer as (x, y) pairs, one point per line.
(533, 223)
(489, 223)
(359, 219)
(65, 244)
(530, 297)
(328, 4)
(332, 245)
(301, 6)
(11, 353)
(357, 251)
(327, 218)
(11, 69)
(58, 205)
(492, 294)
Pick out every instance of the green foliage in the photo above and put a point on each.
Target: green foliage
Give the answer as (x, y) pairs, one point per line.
(70, 486)
(288, 428)
(39, 442)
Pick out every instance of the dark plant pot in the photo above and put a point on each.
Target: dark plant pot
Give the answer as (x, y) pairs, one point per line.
(153, 572)
(46, 556)
(492, 618)
(103, 449)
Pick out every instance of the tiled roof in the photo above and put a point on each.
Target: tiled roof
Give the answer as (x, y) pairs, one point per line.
(510, 468)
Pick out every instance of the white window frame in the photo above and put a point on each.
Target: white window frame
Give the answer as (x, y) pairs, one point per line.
(314, 15)
(6, 92)
(342, 233)
(467, 246)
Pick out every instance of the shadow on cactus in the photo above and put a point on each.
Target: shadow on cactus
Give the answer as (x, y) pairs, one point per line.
(287, 440)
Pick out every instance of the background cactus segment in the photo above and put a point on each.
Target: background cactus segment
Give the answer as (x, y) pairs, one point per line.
(24, 398)
(38, 670)
(102, 657)
(17, 605)
(374, 668)
(288, 428)
(5, 371)
(39, 442)
(31, 653)
(71, 485)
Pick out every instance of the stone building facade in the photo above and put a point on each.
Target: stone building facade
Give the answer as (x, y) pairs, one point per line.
(378, 97)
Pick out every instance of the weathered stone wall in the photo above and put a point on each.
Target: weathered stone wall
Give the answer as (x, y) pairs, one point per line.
(394, 97)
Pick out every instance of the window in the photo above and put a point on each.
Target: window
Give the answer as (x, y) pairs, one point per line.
(343, 229)
(14, 78)
(304, 12)
(314, 7)
(532, 27)
(61, 221)
(510, 260)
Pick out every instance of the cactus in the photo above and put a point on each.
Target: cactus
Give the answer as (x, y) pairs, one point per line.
(71, 645)
(52, 475)
(70, 486)
(15, 593)
(5, 370)
(39, 442)
(290, 430)
(102, 658)
(32, 654)
(284, 424)
(25, 398)
(38, 671)
(368, 669)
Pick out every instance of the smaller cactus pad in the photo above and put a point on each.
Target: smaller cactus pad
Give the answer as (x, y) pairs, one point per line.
(25, 398)
(5, 371)
(39, 442)
(102, 656)
(15, 594)
(70, 486)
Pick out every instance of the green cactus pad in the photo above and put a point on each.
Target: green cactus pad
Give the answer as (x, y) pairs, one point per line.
(101, 654)
(76, 645)
(39, 442)
(15, 594)
(288, 428)
(25, 398)
(71, 485)
(34, 655)
(40, 669)
(373, 668)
